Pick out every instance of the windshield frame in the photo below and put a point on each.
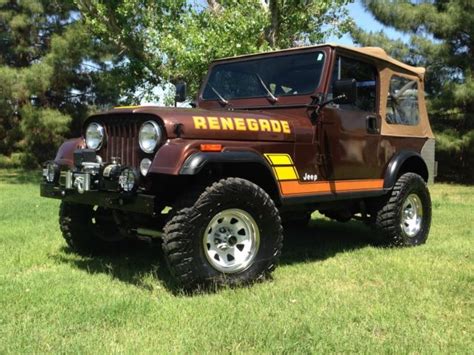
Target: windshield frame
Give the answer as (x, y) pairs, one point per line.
(296, 99)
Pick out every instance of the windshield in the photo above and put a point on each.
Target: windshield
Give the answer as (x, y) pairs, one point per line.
(294, 74)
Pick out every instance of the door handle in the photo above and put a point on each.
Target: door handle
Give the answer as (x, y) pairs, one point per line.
(371, 124)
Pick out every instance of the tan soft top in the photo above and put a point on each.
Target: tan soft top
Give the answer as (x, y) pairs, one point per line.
(375, 52)
(392, 67)
(379, 53)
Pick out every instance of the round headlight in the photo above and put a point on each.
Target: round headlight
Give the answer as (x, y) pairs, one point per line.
(144, 166)
(94, 136)
(149, 136)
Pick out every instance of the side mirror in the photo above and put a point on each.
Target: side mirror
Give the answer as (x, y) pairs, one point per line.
(180, 92)
(345, 91)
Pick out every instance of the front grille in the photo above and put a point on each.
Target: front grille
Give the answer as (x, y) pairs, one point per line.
(121, 141)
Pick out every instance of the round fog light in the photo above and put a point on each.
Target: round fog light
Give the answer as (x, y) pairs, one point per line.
(51, 172)
(145, 166)
(127, 180)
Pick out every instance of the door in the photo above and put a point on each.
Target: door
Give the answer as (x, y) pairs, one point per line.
(349, 134)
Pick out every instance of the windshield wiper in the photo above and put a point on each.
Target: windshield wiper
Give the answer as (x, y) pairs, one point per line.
(222, 100)
(270, 96)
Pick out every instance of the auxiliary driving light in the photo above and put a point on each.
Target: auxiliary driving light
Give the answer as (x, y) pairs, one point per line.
(127, 180)
(145, 166)
(51, 172)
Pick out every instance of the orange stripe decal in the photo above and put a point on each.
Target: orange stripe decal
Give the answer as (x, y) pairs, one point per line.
(296, 187)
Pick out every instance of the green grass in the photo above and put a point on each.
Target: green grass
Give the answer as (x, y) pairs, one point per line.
(333, 291)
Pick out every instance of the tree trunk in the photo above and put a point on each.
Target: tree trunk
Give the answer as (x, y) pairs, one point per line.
(272, 32)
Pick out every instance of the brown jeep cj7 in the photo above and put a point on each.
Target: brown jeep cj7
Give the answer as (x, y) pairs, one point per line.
(274, 137)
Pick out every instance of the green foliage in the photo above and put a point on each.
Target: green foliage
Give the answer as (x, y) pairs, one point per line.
(441, 34)
(52, 72)
(61, 59)
(201, 36)
(13, 161)
(43, 131)
(456, 153)
(169, 40)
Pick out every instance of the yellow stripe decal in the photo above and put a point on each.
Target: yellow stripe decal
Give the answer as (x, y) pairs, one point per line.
(282, 166)
(279, 159)
(285, 173)
(131, 106)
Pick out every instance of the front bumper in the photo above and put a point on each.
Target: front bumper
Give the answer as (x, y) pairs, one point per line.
(129, 202)
(92, 182)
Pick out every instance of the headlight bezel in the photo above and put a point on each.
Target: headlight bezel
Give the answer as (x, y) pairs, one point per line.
(101, 130)
(156, 142)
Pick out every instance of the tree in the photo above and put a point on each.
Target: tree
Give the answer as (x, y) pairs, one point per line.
(51, 72)
(170, 40)
(441, 39)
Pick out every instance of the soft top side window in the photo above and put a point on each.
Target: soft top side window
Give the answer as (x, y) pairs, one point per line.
(402, 101)
(365, 75)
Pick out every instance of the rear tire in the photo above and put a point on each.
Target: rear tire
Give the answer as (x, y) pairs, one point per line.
(405, 218)
(232, 235)
(88, 230)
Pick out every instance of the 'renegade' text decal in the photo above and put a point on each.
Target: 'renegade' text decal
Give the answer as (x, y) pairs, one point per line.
(241, 124)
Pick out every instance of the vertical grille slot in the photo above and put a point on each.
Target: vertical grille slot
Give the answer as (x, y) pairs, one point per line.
(122, 140)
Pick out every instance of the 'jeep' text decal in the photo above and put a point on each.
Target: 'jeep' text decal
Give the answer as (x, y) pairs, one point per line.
(241, 124)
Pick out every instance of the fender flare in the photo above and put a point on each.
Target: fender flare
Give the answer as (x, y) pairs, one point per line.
(65, 153)
(395, 164)
(197, 161)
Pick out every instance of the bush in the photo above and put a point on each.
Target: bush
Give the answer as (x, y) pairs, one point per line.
(455, 155)
(43, 131)
(14, 161)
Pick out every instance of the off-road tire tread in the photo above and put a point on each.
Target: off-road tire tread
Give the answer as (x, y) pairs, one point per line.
(77, 234)
(177, 246)
(386, 219)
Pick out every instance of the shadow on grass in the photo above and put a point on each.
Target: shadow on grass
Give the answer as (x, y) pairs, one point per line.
(323, 239)
(318, 241)
(18, 176)
(135, 264)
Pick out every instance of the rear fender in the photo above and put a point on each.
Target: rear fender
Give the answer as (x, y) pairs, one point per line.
(403, 162)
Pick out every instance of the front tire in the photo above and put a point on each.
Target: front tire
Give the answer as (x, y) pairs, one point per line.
(231, 235)
(405, 219)
(89, 230)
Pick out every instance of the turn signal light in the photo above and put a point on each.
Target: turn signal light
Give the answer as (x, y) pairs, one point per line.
(211, 147)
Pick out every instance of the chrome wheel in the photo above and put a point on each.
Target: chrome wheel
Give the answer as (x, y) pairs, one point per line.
(412, 215)
(231, 240)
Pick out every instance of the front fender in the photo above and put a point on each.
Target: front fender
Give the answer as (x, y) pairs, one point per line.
(182, 157)
(170, 157)
(65, 154)
(194, 164)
